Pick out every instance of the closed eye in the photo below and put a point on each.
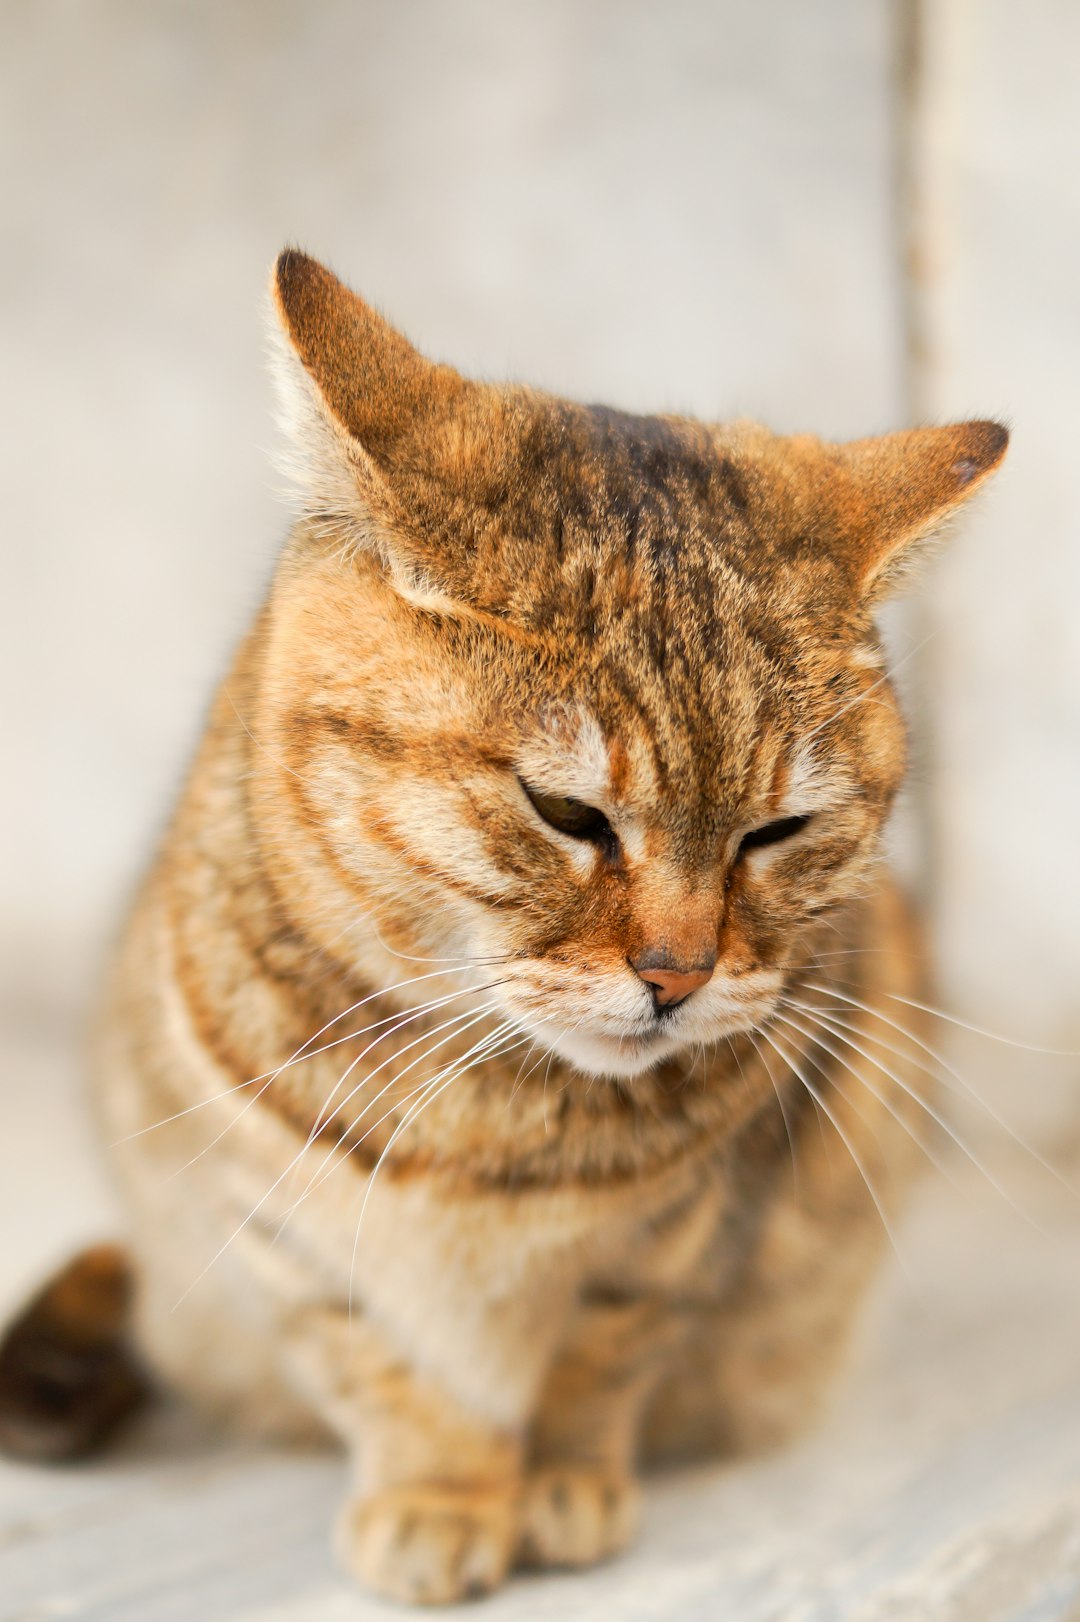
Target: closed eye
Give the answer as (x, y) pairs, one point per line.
(772, 833)
(574, 817)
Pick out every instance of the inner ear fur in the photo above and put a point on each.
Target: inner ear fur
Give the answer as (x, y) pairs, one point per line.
(364, 413)
(378, 389)
(382, 443)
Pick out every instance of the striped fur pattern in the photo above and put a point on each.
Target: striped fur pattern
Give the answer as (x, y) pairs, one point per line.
(439, 1171)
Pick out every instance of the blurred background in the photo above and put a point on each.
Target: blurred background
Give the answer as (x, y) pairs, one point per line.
(845, 216)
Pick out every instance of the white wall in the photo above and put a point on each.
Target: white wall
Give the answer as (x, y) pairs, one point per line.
(998, 234)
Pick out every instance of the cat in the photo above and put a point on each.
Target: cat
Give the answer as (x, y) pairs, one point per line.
(492, 1042)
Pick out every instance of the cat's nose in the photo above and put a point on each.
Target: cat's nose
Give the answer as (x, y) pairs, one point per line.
(671, 982)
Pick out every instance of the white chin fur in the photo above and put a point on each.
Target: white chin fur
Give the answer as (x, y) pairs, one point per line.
(607, 1057)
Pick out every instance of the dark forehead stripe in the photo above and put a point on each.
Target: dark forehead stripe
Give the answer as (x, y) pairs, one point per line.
(655, 570)
(630, 518)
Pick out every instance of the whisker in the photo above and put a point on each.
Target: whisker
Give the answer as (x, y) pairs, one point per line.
(303, 1052)
(316, 1181)
(860, 698)
(934, 1114)
(279, 1071)
(883, 1099)
(551, 1053)
(980, 1030)
(481, 1049)
(821, 958)
(949, 1070)
(543, 1094)
(280, 764)
(402, 1021)
(779, 1099)
(273, 1186)
(469, 990)
(409, 957)
(519, 1079)
(845, 1140)
(829, 1080)
(471, 1017)
(415, 1110)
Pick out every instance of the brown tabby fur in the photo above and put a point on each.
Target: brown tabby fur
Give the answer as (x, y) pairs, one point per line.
(645, 1235)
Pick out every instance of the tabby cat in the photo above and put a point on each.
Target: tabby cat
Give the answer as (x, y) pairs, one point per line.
(492, 1041)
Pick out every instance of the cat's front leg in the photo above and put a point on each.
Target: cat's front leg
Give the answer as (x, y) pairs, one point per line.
(435, 1515)
(581, 1497)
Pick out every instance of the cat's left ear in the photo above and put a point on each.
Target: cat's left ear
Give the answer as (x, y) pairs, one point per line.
(362, 411)
(892, 494)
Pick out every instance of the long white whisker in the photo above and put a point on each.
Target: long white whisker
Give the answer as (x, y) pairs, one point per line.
(402, 1020)
(413, 1112)
(950, 1070)
(409, 957)
(845, 1140)
(267, 1083)
(816, 1040)
(980, 1030)
(269, 753)
(547, 1053)
(860, 698)
(324, 1111)
(471, 1017)
(933, 1113)
(262, 1201)
(303, 1052)
(520, 1068)
(767, 1067)
(487, 1047)
(820, 1035)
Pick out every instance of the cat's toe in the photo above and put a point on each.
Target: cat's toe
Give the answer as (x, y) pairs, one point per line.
(429, 1545)
(575, 1517)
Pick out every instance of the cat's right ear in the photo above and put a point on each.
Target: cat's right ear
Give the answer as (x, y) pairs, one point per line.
(355, 398)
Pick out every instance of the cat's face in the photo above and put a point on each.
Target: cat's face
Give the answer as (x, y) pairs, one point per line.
(594, 702)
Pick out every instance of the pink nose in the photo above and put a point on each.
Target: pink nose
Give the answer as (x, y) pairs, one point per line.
(671, 985)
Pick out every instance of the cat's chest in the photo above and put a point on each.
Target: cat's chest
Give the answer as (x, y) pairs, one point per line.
(485, 1245)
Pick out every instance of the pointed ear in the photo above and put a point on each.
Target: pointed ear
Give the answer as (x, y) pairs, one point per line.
(355, 398)
(893, 493)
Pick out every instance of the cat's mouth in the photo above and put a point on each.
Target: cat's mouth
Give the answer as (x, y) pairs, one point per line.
(607, 1028)
(598, 1050)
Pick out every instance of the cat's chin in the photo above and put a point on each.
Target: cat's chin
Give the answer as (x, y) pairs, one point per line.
(613, 1058)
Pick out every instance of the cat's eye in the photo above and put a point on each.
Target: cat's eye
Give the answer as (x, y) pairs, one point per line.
(772, 833)
(573, 817)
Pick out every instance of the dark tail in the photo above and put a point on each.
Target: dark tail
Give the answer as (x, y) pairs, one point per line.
(68, 1373)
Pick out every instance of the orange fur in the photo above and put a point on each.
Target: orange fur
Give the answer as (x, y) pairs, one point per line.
(619, 1230)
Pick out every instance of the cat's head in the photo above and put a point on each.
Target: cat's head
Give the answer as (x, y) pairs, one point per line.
(593, 701)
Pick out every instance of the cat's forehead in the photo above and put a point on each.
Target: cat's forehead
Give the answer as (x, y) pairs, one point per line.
(649, 492)
(637, 763)
(682, 658)
(664, 534)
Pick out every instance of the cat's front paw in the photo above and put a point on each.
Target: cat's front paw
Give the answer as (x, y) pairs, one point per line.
(575, 1516)
(430, 1545)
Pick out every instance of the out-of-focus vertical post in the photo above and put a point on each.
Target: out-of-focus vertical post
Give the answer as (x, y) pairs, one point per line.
(987, 145)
